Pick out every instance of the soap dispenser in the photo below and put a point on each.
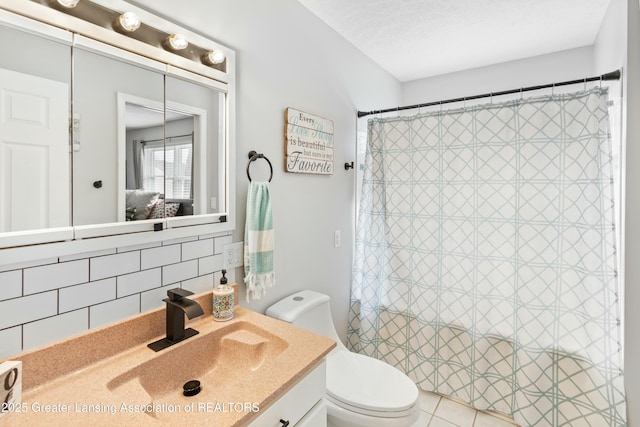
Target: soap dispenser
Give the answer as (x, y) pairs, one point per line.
(223, 300)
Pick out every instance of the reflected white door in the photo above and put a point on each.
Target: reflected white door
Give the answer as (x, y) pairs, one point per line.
(34, 152)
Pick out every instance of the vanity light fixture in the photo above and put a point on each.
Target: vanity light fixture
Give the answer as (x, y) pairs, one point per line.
(129, 21)
(177, 42)
(126, 21)
(69, 4)
(214, 57)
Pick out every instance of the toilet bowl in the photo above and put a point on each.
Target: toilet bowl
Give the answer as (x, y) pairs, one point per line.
(361, 391)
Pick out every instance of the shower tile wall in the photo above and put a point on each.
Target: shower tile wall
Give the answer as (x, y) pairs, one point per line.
(43, 302)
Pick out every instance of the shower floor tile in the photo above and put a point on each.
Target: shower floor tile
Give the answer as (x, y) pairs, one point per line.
(439, 411)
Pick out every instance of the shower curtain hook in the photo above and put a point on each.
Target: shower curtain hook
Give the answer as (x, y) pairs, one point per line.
(585, 84)
(521, 94)
(553, 89)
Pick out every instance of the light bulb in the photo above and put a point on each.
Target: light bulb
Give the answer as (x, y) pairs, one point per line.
(215, 56)
(129, 21)
(69, 4)
(177, 42)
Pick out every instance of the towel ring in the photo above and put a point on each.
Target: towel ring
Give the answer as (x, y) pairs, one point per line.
(254, 156)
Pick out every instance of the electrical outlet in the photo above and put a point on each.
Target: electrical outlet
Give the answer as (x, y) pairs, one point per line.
(233, 255)
(337, 239)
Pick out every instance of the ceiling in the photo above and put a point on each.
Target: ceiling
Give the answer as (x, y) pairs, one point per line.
(414, 39)
(140, 117)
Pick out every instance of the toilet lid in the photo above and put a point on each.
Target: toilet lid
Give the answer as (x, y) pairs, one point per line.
(359, 381)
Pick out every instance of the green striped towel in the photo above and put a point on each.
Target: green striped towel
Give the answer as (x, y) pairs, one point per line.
(258, 241)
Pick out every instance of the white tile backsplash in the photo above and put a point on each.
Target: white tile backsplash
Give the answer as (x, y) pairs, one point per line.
(11, 340)
(231, 276)
(114, 265)
(27, 309)
(11, 284)
(197, 249)
(141, 281)
(178, 272)
(210, 264)
(55, 328)
(152, 299)
(50, 299)
(87, 294)
(112, 311)
(220, 242)
(156, 257)
(199, 284)
(54, 276)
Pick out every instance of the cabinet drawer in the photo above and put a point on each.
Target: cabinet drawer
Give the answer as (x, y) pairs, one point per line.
(296, 402)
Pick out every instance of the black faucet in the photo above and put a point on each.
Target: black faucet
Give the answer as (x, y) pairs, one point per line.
(177, 306)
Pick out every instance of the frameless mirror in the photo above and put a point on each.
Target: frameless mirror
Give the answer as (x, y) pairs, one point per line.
(203, 102)
(104, 135)
(99, 168)
(35, 190)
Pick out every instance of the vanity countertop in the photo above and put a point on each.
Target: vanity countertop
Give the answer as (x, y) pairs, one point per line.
(109, 376)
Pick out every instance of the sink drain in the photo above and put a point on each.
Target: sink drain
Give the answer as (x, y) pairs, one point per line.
(191, 388)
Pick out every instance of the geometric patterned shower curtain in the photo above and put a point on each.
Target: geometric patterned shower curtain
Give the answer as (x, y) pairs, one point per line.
(485, 262)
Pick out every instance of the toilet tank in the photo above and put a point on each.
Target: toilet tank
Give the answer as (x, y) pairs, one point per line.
(308, 310)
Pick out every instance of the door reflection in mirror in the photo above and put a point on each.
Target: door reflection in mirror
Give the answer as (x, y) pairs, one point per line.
(35, 191)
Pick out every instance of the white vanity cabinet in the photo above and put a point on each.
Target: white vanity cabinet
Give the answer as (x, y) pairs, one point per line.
(302, 406)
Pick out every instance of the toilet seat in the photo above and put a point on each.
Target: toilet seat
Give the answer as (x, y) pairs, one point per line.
(369, 386)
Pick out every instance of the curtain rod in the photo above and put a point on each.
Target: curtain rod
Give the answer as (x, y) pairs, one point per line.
(168, 137)
(614, 75)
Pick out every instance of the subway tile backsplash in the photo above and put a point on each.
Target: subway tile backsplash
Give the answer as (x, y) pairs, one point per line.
(43, 302)
(55, 276)
(114, 265)
(11, 284)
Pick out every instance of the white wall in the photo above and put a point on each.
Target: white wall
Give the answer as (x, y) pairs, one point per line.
(555, 67)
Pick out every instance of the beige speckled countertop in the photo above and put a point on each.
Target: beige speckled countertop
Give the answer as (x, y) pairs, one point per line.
(108, 376)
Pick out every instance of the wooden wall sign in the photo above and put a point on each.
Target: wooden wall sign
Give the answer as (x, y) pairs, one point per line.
(308, 143)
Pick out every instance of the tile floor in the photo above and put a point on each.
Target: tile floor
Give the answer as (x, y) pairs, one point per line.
(438, 411)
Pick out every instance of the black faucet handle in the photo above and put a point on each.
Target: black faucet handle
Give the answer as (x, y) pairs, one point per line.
(177, 294)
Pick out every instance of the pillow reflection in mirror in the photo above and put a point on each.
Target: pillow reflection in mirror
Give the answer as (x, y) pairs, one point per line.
(158, 210)
(142, 202)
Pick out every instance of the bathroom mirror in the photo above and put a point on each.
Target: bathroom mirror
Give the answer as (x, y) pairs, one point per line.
(98, 171)
(35, 167)
(139, 144)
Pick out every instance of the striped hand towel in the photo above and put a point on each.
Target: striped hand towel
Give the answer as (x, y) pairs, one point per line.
(258, 241)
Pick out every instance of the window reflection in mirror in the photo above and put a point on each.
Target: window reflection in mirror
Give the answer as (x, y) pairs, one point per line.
(35, 191)
(99, 167)
(159, 162)
(205, 104)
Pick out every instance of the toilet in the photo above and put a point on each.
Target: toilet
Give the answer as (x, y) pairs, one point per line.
(361, 391)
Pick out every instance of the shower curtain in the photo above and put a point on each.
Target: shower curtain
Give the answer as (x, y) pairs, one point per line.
(485, 262)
